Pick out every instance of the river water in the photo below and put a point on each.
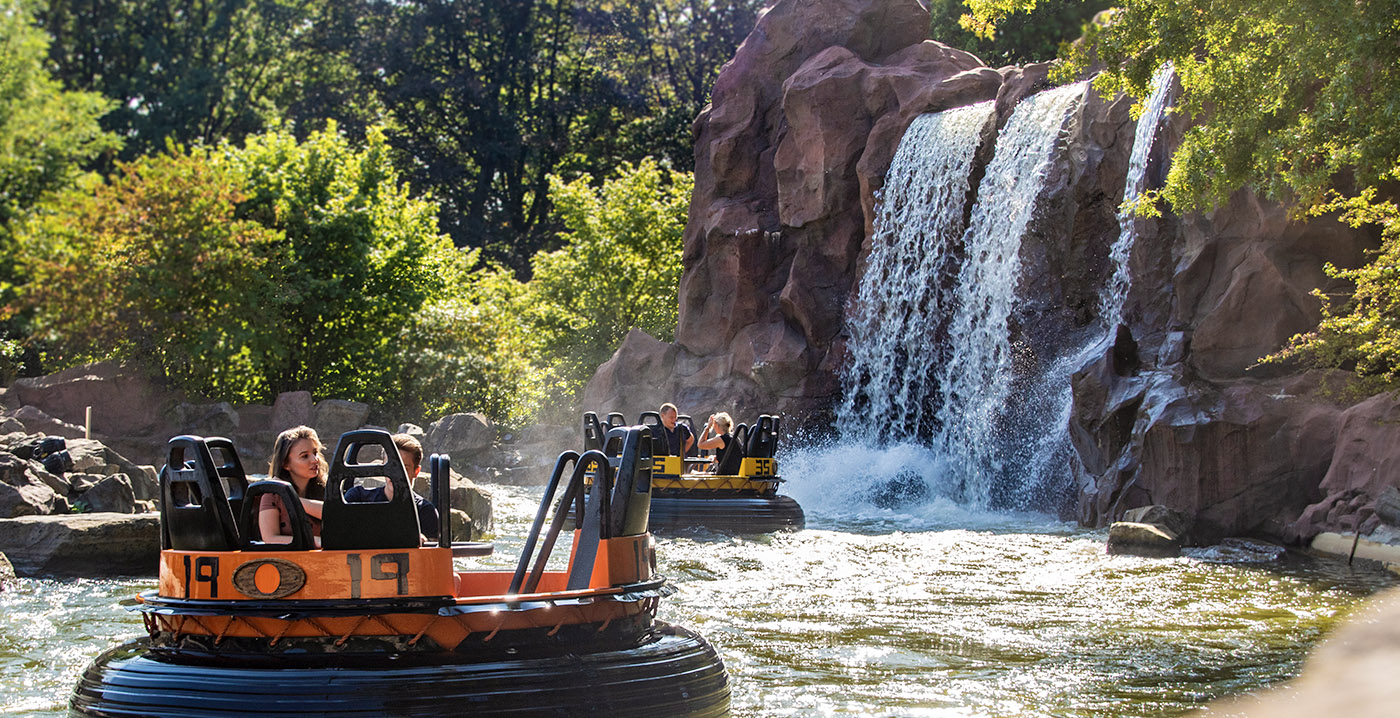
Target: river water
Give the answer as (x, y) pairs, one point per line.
(926, 609)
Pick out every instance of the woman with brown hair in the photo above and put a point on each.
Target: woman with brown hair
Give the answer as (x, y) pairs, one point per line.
(296, 459)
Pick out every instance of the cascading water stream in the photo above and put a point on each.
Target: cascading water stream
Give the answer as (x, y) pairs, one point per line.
(931, 358)
(977, 379)
(1116, 293)
(902, 301)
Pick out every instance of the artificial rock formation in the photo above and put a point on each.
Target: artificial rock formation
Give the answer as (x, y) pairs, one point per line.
(82, 544)
(1172, 408)
(802, 126)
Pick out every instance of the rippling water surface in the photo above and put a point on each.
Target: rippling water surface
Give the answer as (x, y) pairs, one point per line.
(927, 610)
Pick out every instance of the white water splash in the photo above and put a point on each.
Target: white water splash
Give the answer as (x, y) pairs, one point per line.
(976, 381)
(1116, 293)
(901, 300)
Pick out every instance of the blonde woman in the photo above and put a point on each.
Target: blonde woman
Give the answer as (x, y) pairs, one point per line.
(717, 435)
(296, 459)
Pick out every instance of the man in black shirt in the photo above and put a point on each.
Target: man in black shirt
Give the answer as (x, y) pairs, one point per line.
(412, 454)
(678, 439)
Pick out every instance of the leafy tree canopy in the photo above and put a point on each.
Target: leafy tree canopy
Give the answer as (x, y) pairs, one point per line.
(243, 272)
(1299, 98)
(154, 267)
(487, 99)
(196, 71)
(618, 269)
(1032, 36)
(46, 133)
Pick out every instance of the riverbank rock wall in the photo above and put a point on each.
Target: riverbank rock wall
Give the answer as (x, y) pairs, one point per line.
(1171, 407)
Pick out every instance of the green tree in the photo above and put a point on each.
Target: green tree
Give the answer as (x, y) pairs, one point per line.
(242, 272)
(1033, 36)
(46, 133)
(196, 71)
(362, 256)
(154, 268)
(618, 269)
(473, 350)
(1297, 98)
(487, 99)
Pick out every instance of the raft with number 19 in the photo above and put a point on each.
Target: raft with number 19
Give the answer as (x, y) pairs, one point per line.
(374, 624)
(683, 496)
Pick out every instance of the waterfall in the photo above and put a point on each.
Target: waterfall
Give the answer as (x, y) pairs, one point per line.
(976, 380)
(1116, 293)
(902, 302)
(933, 375)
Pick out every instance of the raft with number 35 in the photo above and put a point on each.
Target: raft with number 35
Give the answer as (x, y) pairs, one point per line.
(685, 494)
(374, 624)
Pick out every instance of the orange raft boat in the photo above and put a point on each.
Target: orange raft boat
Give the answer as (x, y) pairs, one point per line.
(373, 623)
(685, 495)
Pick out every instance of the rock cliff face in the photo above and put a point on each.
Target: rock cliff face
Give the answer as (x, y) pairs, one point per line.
(1168, 409)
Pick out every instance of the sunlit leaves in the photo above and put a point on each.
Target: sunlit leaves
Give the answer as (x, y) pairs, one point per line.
(619, 268)
(1300, 99)
(242, 272)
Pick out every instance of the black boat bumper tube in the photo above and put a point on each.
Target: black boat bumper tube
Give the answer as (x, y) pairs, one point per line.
(735, 514)
(672, 672)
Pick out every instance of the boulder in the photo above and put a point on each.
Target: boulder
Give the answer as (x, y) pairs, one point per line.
(110, 494)
(83, 545)
(35, 420)
(1237, 457)
(1172, 522)
(145, 483)
(463, 527)
(291, 408)
(333, 417)
(467, 499)
(92, 456)
(254, 420)
(216, 419)
(22, 493)
(61, 484)
(461, 436)
(1364, 466)
(1147, 540)
(78, 483)
(123, 402)
(1388, 506)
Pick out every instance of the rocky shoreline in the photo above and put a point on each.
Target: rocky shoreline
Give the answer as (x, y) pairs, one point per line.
(73, 504)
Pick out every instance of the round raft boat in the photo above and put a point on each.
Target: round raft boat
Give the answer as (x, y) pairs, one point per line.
(684, 495)
(374, 624)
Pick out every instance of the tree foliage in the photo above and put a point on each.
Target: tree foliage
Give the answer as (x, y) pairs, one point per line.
(46, 133)
(155, 268)
(1032, 36)
(191, 71)
(362, 257)
(244, 272)
(618, 269)
(487, 99)
(1298, 98)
